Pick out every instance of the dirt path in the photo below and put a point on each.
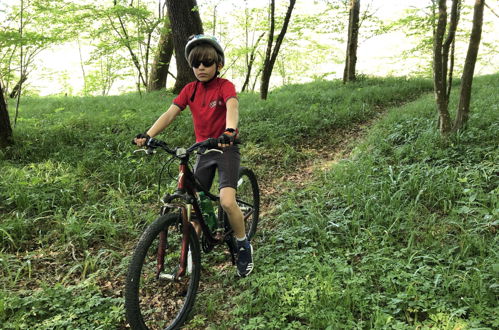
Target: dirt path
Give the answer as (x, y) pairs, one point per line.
(325, 152)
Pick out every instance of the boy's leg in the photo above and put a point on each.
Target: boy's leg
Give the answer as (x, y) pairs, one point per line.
(236, 220)
(228, 201)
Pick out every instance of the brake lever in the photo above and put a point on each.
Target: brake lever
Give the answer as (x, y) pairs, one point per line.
(205, 151)
(148, 151)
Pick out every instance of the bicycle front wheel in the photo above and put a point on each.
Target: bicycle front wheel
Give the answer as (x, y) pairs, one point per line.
(154, 299)
(248, 199)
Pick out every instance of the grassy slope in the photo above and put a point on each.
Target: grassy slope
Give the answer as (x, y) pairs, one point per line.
(402, 235)
(72, 193)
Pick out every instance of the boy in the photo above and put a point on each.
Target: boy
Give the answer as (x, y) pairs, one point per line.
(215, 112)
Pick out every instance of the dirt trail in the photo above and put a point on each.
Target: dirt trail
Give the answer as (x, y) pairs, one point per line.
(335, 146)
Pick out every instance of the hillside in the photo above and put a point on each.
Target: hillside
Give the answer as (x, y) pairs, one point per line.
(400, 233)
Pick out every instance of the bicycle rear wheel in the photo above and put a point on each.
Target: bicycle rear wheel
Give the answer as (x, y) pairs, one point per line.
(248, 199)
(154, 300)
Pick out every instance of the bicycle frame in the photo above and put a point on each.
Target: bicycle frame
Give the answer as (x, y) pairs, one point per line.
(184, 199)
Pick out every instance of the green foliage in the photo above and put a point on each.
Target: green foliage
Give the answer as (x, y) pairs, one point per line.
(297, 113)
(402, 235)
(399, 236)
(81, 306)
(44, 23)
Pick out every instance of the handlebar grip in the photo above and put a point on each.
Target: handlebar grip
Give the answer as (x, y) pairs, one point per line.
(212, 143)
(142, 136)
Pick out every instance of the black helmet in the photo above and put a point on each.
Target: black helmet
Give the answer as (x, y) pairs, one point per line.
(201, 39)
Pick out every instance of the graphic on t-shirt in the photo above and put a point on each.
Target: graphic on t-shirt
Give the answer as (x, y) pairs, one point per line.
(214, 103)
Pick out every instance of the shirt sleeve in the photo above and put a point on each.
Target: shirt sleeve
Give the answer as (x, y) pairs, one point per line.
(182, 99)
(228, 91)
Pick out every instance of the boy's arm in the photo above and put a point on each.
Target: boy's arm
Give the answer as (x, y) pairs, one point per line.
(164, 120)
(232, 113)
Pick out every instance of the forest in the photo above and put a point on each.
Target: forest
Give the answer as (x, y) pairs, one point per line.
(372, 127)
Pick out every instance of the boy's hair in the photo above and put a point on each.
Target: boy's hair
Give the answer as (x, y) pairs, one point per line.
(204, 52)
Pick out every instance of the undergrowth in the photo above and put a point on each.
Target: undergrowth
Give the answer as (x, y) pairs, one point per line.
(402, 235)
(399, 235)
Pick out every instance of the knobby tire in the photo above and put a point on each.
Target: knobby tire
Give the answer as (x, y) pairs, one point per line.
(151, 303)
(249, 193)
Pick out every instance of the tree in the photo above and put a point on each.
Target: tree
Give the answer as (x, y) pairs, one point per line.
(442, 44)
(159, 69)
(185, 21)
(134, 26)
(44, 23)
(441, 59)
(463, 109)
(353, 36)
(17, 88)
(5, 128)
(251, 48)
(250, 60)
(271, 53)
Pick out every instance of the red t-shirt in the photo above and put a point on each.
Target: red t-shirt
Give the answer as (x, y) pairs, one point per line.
(207, 102)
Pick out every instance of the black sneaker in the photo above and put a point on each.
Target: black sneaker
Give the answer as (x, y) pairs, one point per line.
(244, 258)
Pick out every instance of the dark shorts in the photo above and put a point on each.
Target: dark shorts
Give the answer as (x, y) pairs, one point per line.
(227, 164)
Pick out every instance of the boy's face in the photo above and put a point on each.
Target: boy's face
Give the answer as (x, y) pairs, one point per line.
(205, 71)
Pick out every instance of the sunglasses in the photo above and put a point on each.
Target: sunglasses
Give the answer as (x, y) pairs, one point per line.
(206, 63)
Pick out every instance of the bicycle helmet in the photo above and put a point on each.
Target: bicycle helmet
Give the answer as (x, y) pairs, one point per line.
(198, 39)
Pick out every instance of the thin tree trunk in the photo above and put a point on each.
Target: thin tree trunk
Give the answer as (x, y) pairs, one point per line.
(353, 35)
(469, 67)
(126, 39)
(159, 70)
(22, 69)
(250, 62)
(267, 70)
(253, 87)
(439, 71)
(449, 41)
(82, 67)
(5, 128)
(17, 88)
(185, 21)
(271, 54)
(451, 68)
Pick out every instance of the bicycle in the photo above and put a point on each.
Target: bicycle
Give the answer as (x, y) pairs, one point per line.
(164, 272)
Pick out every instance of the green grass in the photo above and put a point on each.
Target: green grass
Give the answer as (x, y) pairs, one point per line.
(401, 235)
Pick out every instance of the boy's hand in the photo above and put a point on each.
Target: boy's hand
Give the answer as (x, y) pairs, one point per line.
(141, 139)
(227, 138)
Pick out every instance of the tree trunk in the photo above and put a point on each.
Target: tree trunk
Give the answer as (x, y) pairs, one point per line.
(126, 40)
(250, 62)
(271, 55)
(353, 36)
(469, 67)
(440, 69)
(5, 128)
(159, 70)
(450, 40)
(185, 21)
(17, 88)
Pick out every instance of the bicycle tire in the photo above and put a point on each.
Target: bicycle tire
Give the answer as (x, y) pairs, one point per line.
(248, 196)
(151, 303)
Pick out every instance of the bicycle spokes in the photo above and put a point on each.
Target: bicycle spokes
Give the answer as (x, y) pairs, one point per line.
(157, 297)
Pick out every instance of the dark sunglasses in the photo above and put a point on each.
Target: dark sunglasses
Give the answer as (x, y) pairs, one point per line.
(206, 63)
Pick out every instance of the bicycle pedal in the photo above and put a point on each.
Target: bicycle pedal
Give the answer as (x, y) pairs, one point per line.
(167, 277)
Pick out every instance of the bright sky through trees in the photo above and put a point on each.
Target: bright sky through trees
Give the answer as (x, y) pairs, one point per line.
(59, 70)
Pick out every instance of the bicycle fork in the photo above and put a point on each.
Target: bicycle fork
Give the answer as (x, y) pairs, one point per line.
(178, 273)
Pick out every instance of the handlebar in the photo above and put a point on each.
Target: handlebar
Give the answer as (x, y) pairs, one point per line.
(210, 143)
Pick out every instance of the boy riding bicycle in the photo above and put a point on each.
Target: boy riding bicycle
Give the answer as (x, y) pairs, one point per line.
(215, 113)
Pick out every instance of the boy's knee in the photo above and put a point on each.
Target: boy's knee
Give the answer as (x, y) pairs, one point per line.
(228, 204)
